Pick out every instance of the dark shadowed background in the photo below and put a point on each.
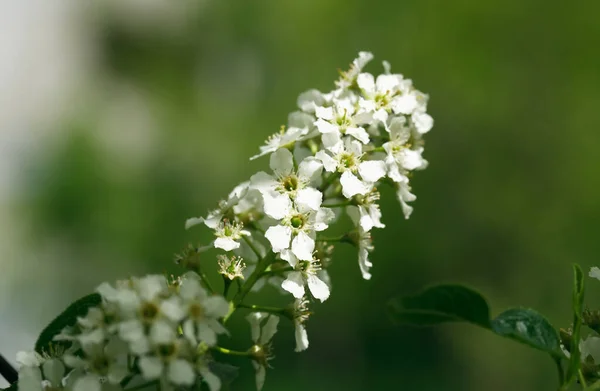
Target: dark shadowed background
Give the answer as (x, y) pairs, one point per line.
(120, 119)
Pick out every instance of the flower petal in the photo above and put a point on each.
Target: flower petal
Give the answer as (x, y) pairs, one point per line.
(294, 284)
(352, 186)
(310, 198)
(318, 288)
(303, 246)
(372, 170)
(279, 236)
(181, 372)
(277, 206)
(282, 162)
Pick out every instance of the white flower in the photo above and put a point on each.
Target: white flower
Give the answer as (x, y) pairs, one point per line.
(263, 327)
(595, 273)
(231, 267)
(201, 313)
(165, 360)
(214, 218)
(338, 120)
(301, 314)
(283, 139)
(348, 78)
(297, 230)
(423, 122)
(365, 246)
(404, 196)
(400, 157)
(367, 213)
(304, 274)
(346, 157)
(228, 235)
(102, 360)
(378, 94)
(288, 182)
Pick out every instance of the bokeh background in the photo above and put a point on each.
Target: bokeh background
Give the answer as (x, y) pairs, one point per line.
(119, 119)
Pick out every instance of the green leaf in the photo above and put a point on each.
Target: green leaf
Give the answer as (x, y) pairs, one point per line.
(67, 318)
(528, 327)
(440, 304)
(226, 372)
(578, 295)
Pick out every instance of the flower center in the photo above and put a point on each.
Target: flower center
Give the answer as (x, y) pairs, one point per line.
(297, 221)
(166, 351)
(149, 312)
(347, 160)
(290, 183)
(196, 311)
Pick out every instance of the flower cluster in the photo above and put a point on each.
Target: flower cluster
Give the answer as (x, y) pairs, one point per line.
(330, 159)
(146, 328)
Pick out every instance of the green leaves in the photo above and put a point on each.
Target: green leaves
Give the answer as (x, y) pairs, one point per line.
(226, 372)
(439, 304)
(528, 327)
(67, 318)
(457, 303)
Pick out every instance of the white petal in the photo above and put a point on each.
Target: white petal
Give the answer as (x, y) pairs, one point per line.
(181, 372)
(309, 99)
(404, 104)
(595, 273)
(303, 246)
(372, 170)
(288, 255)
(151, 367)
(151, 286)
(30, 379)
(318, 288)
(322, 218)
(301, 337)
(359, 134)
(282, 162)
(331, 141)
(329, 162)
(366, 82)
(412, 159)
(213, 381)
(387, 83)
(54, 371)
(294, 284)
(364, 263)
(191, 288)
(261, 372)
(207, 334)
(310, 198)
(162, 332)
(423, 122)
(326, 127)
(226, 244)
(352, 186)
(29, 358)
(263, 182)
(277, 206)
(189, 223)
(310, 168)
(255, 319)
(172, 309)
(279, 236)
(86, 383)
(324, 113)
(216, 306)
(380, 115)
(269, 329)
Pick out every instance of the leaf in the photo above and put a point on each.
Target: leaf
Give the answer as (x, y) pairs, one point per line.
(528, 327)
(67, 318)
(226, 372)
(440, 304)
(578, 295)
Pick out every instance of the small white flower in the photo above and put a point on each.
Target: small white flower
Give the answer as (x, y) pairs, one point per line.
(595, 273)
(346, 157)
(228, 235)
(202, 313)
(263, 327)
(348, 78)
(288, 181)
(283, 139)
(297, 230)
(304, 274)
(338, 120)
(366, 214)
(404, 196)
(231, 267)
(215, 217)
(301, 314)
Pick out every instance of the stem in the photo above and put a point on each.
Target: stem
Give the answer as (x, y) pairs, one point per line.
(338, 205)
(561, 373)
(256, 227)
(252, 246)
(247, 286)
(230, 352)
(275, 272)
(226, 285)
(7, 371)
(270, 310)
(341, 239)
(126, 380)
(581, 379)
(206, 281)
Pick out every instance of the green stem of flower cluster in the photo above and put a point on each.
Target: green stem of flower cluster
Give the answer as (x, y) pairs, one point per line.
(230, 352)
(329, 181)
(206, 281)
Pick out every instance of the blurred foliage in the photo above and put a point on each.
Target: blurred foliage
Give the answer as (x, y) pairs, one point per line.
(508, 202)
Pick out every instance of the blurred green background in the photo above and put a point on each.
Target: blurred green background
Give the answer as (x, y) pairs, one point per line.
(160, 104)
